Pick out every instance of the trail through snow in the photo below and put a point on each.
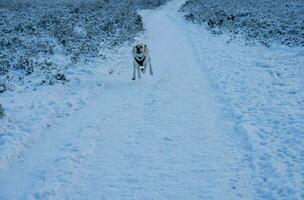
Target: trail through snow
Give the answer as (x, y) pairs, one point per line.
(162, 137)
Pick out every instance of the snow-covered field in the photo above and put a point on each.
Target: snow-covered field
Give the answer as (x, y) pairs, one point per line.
(218, 120)
(30, 111)
(46, 55)
(262, 93)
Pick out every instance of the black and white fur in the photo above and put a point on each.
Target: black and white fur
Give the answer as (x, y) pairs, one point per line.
(141, 59)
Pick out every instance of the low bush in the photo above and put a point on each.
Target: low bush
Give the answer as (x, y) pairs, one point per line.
(1, 112)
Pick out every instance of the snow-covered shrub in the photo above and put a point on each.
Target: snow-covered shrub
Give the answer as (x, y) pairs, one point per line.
(22, 43)
(262, 20)
(85, 29)
(1, 111)
(148, 3)
(4, 85)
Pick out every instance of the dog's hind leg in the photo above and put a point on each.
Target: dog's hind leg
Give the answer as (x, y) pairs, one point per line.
(150, 67)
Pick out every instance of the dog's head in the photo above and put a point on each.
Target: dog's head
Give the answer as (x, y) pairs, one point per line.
(140, 48)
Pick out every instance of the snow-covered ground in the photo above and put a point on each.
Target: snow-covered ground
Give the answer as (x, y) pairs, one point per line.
(32, 109)
(218, 120)
(262, 93)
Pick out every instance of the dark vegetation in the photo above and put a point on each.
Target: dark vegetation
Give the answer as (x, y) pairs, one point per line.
(262, 20)
(1, 111)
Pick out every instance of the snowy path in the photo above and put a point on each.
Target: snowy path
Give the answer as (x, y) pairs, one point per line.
(157, 138)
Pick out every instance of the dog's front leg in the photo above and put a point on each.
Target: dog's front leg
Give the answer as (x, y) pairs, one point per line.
(144, 68)
(134, 71)
(138, 71)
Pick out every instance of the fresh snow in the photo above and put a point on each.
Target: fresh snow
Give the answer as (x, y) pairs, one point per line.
(216, 121)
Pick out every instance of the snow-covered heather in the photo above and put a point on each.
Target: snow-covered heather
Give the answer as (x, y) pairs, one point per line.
(33, 32)
(32, 35)
(262, 93)
(1, 111)
(148, 4)
(266, 21)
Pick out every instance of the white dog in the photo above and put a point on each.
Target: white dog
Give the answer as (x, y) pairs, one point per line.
(141, 59)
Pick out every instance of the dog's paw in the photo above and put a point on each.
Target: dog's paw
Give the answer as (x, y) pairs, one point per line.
(133, 79)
